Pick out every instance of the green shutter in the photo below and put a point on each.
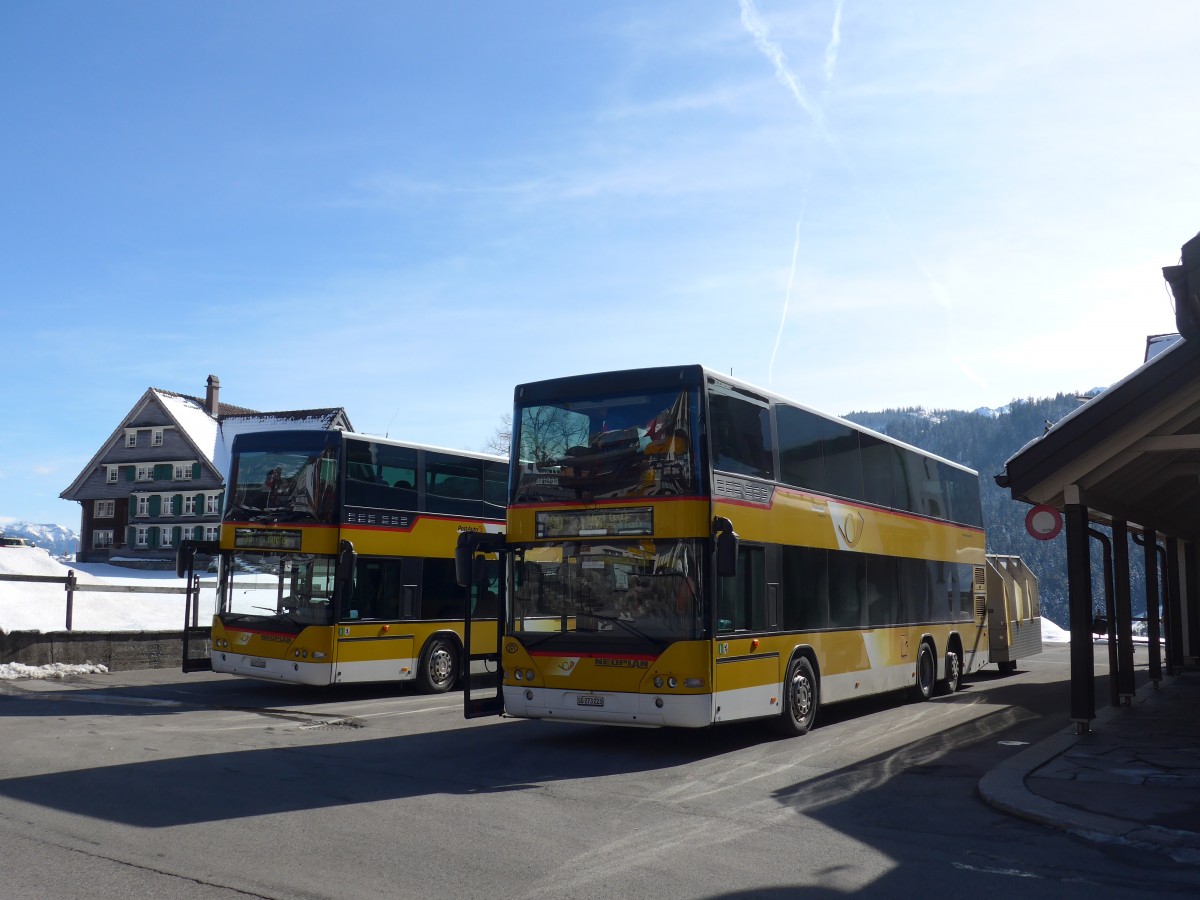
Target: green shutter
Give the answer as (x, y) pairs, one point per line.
(198, 533)
(177, 531)
(196, 470)
(163, 472)
(155, 504)
(130, 536)
(198, 504)
(128, 472)
(152, 537)
(177, 505)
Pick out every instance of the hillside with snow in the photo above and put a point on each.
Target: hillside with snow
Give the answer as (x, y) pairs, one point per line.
(58, 540)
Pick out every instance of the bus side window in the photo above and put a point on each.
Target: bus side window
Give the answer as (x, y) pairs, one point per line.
(742, 599)
(847, 580)
(805, 600)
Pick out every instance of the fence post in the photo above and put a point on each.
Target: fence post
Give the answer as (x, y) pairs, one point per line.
(71, 583)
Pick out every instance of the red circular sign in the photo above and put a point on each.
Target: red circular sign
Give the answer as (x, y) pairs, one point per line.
(1043, 522)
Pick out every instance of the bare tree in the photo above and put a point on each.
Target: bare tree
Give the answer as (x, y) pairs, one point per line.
(502, 439)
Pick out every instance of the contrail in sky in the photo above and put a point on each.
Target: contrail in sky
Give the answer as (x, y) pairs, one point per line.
(787, 299)
(831, 49)
(762, 37)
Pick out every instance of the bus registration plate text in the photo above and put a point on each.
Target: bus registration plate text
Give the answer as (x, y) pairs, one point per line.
(589, 700)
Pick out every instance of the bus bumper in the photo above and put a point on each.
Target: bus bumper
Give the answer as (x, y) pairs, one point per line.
(609, 707)
(291, 671)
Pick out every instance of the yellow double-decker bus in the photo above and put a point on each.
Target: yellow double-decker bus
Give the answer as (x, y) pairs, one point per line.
(335, 562)
(683, 549)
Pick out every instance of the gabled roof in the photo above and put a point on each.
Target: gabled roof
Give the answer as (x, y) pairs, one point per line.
(1133, 451)
(210, 437)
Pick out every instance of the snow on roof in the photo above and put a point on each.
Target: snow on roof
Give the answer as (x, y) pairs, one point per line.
(231, 427)
(194, 419)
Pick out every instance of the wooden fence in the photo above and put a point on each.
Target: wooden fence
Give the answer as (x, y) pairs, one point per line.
(73, 586)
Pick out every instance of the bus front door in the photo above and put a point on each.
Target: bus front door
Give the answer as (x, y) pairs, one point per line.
(483, 629)
(197, 635)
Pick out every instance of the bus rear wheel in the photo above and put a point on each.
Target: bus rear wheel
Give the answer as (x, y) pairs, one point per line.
(799, 699)
(438, 670)
(953, 672)
(926, 673)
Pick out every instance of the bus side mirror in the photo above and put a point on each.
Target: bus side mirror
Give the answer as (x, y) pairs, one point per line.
(726, 540)
(464, 558)
(347, 560)
(463, 565)
(185, 553)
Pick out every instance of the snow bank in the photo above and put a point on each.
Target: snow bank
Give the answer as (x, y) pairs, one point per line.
(13, 671)
(1052, 634)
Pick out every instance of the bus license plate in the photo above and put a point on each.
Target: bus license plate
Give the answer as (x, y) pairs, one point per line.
(589, 700)
(258, 663)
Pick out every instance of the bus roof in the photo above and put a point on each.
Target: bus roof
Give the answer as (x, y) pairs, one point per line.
(666, 377)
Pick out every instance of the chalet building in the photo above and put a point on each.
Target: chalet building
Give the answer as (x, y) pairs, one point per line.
(160, 476)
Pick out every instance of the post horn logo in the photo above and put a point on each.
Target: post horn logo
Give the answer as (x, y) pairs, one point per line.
(852, 527)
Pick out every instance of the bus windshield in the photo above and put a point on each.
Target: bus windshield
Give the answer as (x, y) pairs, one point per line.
(615, 446)
(642, 589)
(292, 588)
(283, 485)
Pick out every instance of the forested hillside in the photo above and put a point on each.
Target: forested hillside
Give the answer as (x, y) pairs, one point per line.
(984, 440)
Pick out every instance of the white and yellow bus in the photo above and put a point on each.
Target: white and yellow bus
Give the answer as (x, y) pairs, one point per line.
(335, 562)
(683, 549)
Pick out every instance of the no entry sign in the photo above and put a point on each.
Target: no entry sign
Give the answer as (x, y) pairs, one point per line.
(1043, 522)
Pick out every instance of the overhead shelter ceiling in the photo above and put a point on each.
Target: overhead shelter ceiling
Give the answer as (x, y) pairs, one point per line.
(1133, 451)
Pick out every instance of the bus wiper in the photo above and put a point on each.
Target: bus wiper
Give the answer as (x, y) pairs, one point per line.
(632, 629)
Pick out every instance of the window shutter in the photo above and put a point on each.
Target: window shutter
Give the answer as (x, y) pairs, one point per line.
(177, 505)
(162, 472)
(198, 533)
(155, 505)
(128, 472)
(152, 537)
(178, 532)
(130, 536)
(199, 504)
(195, 470)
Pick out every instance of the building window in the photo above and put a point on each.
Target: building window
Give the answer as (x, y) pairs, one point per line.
(102, 539)
(142, 536)
(213, 503)
(111, 476)
(167, 506)
(189, 505)
(212, 532)
(131, 438)
(145, 473)
(164, 536)
(143, 506)
(105, 509)
(156, 437)
(183, 471)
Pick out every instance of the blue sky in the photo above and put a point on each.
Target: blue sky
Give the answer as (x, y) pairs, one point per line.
(406, 209)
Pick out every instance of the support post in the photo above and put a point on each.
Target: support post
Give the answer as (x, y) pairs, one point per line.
(1124, 607)
(1110, 616)
(1149, 541)
(72, 583)
(1079, 592)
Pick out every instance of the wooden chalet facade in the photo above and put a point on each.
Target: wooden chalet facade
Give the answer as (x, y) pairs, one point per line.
(160, 476)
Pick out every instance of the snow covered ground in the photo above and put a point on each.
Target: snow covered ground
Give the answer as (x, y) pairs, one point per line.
(43, 606)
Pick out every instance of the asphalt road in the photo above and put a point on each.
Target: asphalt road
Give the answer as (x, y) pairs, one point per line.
(160, 784)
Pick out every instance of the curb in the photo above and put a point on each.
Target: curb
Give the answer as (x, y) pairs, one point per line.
(1004, 788)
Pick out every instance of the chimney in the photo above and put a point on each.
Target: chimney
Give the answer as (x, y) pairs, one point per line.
(212, 399)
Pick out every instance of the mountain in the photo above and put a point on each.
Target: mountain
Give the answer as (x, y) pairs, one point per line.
(58, 540)
(984, 440)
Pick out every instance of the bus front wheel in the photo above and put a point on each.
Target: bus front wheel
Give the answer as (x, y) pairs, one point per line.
(439, 666)
(799, 698)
